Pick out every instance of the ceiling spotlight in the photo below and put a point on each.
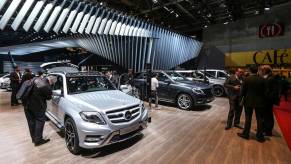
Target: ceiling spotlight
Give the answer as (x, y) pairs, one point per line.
(155, 1)
(225, 22)
(267, 8)
(205, 26)
(101, 3)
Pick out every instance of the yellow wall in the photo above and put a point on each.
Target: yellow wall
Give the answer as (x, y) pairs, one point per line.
(242, 59)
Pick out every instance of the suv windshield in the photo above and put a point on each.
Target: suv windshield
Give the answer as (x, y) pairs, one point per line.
(80, 84)
(176, 76)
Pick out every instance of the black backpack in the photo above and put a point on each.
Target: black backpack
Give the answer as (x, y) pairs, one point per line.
(27, 89)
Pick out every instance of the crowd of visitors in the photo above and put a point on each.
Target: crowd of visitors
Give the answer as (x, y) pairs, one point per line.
(256, 89)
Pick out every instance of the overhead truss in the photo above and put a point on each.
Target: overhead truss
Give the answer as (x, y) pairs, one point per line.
(122, 39)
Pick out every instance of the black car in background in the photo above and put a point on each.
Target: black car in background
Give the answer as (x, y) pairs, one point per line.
(175, 88)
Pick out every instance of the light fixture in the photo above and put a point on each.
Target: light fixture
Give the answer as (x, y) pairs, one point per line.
(267, 8)
(205, 26)
(155, 1)
(177, 15)
(101, 3)
(226, 22)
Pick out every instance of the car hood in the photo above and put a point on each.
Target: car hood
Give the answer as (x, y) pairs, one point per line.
(194, 84)
(103, 101)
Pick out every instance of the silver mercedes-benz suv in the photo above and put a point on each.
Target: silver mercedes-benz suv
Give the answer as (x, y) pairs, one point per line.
(92, 112)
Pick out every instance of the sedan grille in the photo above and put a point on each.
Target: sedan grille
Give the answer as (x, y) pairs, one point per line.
(123, 115)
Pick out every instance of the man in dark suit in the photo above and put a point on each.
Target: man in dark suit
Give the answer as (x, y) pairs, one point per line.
(36, 106)
(253, 93)
(272, 93)
(233, 85)
(15, 80)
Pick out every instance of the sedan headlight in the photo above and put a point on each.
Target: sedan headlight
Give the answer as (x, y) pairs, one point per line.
(93, 117)
(197, 91)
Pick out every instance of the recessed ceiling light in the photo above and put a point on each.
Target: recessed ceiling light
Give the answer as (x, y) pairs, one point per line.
(205, 26)
(155, 1)
(101, 3)
(267, 8)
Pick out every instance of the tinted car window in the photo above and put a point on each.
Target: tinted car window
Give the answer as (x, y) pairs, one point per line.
(59, 83)
(176, 76)
(212, 73)
(162, 77)
(221, 75)
(79, 84)
(199, 75)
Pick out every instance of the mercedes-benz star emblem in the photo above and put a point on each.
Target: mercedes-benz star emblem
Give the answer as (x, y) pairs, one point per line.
(127, 115)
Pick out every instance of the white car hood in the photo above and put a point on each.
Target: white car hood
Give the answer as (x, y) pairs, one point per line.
(103, 101)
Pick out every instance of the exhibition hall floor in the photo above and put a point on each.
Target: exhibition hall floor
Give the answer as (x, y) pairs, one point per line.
(174, 136)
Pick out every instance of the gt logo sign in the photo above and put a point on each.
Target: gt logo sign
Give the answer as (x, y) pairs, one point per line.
(270, 30)
(260, 57)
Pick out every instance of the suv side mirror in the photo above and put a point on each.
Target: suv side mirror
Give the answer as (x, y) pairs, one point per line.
(57, 92)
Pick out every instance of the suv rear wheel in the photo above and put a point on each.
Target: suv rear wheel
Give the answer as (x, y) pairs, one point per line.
(184, 101)
(71, 137)
(218, 90)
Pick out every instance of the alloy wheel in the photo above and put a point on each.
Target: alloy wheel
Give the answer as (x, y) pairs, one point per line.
(184, 101)
(70, 136)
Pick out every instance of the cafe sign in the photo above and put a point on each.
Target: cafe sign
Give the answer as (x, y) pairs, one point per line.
(277, 57)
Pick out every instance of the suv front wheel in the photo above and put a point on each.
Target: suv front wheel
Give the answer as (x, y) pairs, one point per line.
(184, 101)
(71, 136)
(218, 91)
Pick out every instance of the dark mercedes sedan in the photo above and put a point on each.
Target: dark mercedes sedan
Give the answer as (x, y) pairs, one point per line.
(175, 88)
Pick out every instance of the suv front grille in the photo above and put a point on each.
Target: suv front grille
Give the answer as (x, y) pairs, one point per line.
(123, 115)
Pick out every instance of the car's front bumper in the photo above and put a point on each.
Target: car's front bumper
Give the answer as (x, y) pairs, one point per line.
(204, 100)
(95, 136)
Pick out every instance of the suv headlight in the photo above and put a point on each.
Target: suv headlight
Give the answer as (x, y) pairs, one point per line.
(142, 107)
(197, 91)
(93, 117)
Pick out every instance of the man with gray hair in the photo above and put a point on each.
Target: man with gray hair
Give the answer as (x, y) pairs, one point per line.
(36, 106)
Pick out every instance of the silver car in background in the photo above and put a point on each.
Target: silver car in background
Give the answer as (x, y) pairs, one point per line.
(198, 75)
(92, 112)
(5, 82)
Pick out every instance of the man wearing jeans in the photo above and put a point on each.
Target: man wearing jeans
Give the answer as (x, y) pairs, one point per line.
(154, 93)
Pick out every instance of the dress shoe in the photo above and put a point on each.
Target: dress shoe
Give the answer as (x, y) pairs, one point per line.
(41, 142)
(227, 128)
(243, 136)
(261, 139)
(238, 126)
(268, 134)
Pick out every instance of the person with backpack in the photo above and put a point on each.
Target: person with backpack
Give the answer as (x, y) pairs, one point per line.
(39, 92)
